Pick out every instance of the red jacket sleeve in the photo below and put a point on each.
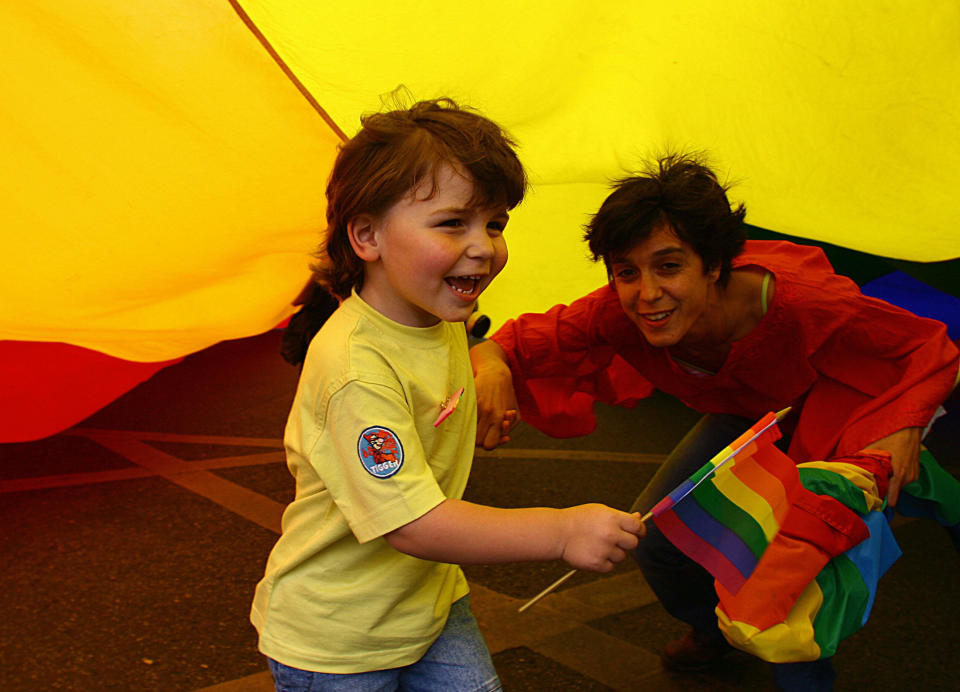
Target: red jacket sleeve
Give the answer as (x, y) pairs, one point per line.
(561, 363)
(883, 369)
(873, 368)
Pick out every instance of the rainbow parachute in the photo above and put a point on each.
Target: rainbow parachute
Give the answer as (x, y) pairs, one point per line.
(164, 163)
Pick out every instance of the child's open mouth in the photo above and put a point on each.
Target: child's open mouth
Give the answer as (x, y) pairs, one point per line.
(465, 286)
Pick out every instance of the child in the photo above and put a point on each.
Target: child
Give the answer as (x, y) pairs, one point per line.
(363, 590)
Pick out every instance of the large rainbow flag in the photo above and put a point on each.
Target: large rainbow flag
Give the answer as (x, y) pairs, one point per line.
(164, 163)
(816, 583)
(727, 513)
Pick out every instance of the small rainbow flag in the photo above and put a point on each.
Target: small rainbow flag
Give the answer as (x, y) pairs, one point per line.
(726, 514)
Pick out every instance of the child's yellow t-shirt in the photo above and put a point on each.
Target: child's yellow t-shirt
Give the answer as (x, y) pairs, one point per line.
(367, 459)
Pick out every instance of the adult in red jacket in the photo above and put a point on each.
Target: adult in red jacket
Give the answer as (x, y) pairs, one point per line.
(734, 329)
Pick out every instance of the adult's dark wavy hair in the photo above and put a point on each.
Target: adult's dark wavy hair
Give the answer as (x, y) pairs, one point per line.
(678, 191)
(391, 156)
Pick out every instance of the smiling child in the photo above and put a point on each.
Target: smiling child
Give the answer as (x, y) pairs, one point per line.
(363, 589)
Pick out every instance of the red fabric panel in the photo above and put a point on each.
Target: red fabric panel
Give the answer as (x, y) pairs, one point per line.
(874, 461)
(48, 387)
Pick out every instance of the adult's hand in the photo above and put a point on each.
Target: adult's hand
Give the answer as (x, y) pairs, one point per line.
(496, 400)
(904, 448)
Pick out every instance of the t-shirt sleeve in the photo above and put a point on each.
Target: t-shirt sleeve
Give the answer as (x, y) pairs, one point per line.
(369, 455)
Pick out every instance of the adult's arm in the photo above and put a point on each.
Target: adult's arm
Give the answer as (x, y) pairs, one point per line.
(904, 448)
(496, 399)
(561, 362)
(884, 372)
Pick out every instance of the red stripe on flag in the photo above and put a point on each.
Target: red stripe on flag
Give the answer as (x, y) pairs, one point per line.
(698, 550)
(756, 476)
(662, 506)
(773, 431)
(784, 470)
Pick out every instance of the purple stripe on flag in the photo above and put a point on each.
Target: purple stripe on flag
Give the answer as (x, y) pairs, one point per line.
(700, 551)
(722, 538)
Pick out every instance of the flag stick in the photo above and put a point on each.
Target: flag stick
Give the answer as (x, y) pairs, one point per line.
(547, 590)
(780, 415)
(555, 585)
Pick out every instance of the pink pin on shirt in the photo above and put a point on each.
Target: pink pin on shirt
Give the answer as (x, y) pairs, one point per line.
(448, 407)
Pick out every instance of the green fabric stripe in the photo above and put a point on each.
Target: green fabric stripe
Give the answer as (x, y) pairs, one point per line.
(845, 597)
(701, 472)
(937, 487)
(823, 482)
(731, 515)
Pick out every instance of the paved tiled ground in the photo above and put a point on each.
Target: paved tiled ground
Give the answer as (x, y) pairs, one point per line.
(131, 545)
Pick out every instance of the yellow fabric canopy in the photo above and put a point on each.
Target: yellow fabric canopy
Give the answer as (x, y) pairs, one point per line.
(163, 177)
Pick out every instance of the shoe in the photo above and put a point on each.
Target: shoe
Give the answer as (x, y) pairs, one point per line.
(688, 654)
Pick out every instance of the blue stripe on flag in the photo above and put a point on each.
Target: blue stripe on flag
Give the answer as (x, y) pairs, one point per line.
(874, 556)
(681, 490)
(717, 535)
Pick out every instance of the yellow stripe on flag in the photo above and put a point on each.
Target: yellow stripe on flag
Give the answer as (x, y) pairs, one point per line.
(787, 642)
(747, 499)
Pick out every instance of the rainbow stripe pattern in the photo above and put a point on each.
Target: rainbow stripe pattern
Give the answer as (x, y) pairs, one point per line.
(804, 599)
(726, 514)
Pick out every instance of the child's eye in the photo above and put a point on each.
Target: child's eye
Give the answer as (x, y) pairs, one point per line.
(625, 273)
(452, 223)
(498, 226)
(670, 266)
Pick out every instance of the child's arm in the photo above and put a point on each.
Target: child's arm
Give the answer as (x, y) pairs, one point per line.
(589, 537)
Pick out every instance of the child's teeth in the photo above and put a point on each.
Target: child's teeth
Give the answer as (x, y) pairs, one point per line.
(463, 284)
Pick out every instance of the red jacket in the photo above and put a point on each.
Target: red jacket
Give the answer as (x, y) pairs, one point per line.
(855, 368)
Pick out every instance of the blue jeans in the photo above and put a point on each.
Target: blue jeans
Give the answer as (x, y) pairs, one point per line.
(685, 588)
(457, 660)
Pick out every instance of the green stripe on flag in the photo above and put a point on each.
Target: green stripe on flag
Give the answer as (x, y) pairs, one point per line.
(823, 482)
(731, 515)
(704, 470)
(937, 487)
(845, 598)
